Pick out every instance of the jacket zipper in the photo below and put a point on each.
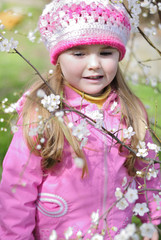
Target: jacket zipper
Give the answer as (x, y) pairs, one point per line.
(105, 178)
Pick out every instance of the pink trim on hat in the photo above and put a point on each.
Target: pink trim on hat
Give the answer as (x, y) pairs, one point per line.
(64, 45)
(65, 24)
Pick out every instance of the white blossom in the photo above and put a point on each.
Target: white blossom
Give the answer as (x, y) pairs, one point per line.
(97, 236)
(154, 147)
(99, 123)
(5, 100)
(153, 8)
(51, 71)
(124, 182)
(141, 144)
(122, 204)
(31, 36)
(134, 22)
(152, 173)
(13, 43)
(95, 217)
(38, 147)
(14, 129)
(60, 115)
(6, 45)
(128, 133)
(140, 209)
(51, 102)
(145, 3)
(41, 93)
(33, 132)
(135, 8)
(144, 14)
(157, 198)
(79, 162)
(42, 140)
(70, 125)
(122, 235)
(68, 233)
(11, 108)
(135, 237)
(150, 32)
(142, 150)
(131, 195)
(147, 230)
(118, 193)
(130, 230)
(96, 115)
(126, 233)
(159, 6)
(80, 131)
(53, 235)
(79, 234)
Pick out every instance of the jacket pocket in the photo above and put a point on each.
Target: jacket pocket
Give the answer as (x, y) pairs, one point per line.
(51, 205)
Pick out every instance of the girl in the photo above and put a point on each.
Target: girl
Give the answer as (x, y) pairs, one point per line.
(62, 172)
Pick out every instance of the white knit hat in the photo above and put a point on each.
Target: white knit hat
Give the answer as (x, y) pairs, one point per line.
(68, 23)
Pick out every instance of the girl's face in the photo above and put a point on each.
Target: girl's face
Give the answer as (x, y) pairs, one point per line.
(89, 68)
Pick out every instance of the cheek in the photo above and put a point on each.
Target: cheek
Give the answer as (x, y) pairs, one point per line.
(111, 68)
(71, 69)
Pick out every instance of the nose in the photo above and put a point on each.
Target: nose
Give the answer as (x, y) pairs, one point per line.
(93, 62)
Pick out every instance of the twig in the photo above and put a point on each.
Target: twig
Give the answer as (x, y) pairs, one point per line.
(90, 120)
(143, 34)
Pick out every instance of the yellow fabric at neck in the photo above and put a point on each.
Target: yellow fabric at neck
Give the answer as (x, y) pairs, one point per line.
(96, 100)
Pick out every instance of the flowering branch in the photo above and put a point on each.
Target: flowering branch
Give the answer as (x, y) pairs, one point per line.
(142, 33)
(89, 120)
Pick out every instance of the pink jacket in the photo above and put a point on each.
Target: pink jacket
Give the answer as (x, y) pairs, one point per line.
(33, 203)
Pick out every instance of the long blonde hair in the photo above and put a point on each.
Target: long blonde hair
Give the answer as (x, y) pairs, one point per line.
(51, 152)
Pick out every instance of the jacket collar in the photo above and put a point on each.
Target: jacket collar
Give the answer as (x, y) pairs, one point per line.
(75, 100)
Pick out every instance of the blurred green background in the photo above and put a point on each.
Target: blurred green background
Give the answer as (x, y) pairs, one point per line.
(16, 75)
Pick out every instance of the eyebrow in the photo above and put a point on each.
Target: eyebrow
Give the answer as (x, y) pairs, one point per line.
(78, 48)
(85, 47)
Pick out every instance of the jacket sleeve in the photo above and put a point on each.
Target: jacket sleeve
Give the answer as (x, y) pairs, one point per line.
(18, 190)
(154, 182)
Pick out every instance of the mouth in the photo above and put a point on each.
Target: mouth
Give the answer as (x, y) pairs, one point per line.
(94, 77)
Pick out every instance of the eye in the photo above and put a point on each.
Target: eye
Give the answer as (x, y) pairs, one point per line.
(106, 53)
(78, 54)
